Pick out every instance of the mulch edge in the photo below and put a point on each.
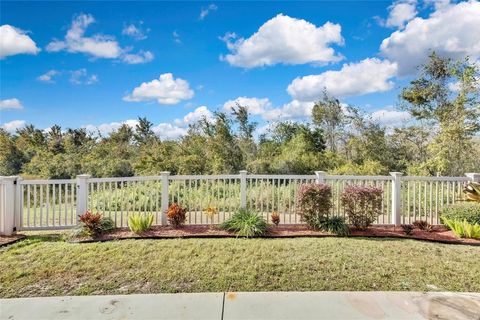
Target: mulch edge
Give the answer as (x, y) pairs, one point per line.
(267, 236)
(18, 238)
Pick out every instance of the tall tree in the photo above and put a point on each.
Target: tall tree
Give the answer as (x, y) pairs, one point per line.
(328, 114)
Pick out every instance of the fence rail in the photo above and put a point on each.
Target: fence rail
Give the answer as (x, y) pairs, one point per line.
(56, 204)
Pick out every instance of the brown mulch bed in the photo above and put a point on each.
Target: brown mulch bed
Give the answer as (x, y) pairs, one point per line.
(439, 233)
(6, 240)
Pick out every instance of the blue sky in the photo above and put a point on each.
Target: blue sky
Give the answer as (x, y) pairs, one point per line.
(194, 57)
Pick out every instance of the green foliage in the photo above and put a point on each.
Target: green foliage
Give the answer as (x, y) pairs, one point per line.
(362, 205)
(139, 223)
(460, 211)
(336, 225)
(314, 201)
(369, 167)
(246, 223)
(463, 229)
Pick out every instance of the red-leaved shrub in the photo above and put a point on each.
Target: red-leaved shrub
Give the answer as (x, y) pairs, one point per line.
(362, 205)
(176, 215)
(314, 201)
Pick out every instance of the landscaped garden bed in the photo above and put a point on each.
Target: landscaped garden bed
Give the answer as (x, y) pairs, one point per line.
(438, 234)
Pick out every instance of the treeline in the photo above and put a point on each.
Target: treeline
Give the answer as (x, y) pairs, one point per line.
(442, 139)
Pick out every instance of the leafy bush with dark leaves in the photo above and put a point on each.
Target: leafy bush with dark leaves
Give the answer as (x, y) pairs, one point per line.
(176, 215)
(362, 205)
(314, 201)
(469, 211)
(93, 224)
(407, 229)
(336, 225)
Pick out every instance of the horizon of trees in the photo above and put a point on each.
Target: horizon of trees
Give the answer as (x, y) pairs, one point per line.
(443, 100)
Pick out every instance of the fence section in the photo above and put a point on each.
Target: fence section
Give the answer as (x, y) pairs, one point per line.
(55, 204)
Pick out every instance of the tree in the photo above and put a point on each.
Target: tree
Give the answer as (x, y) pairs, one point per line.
(328, 114)
(11, 159)
(446, 96)
(143, 131)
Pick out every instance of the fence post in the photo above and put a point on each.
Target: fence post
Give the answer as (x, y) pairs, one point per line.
(165, 175)
(18, 203)
(243, 189)
(82, 194)
(473, 176)
(396, 197)
(320, 176)
(7, 205)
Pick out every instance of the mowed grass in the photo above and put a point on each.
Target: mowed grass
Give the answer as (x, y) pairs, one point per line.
(46, 266)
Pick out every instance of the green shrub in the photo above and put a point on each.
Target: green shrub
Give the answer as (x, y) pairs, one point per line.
(362, 205)
(314, 201)
(246, 223)
(463, 229)
(93, 224)
(336, 225)
(460, 211)
(139, 223)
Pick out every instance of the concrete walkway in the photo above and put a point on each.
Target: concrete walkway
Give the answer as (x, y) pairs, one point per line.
(249, 305)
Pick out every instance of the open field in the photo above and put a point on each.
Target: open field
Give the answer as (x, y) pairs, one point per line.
(46, 265)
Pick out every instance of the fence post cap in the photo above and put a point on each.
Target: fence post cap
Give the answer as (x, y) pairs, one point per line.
(243, 171)
(396, 174)
(320, 172)
(475, 176)
(84, 176)
(9, 178)
(165, 173)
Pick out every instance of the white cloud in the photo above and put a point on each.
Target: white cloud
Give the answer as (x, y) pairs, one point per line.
(255, 106)
(15, 41)
(165, 90)
(400, 13)
(169, 131)
(13, 103)
(294, 109)
(137, 58)
(390, 117)
(205, 11)
(135, 31)
(176, 37)
(194, 116)
(367, 76)
(450, 31)
(81, 76)
(106, 128)
(287, 40)
(48, 76)
(98, 45)
(12, 126)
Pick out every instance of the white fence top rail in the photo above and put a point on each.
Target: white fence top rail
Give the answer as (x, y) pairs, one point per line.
(416, 178)
(342, 177)
(280, 176)
(53, 181)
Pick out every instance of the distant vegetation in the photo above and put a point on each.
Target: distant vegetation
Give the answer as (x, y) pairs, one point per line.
(442, 138)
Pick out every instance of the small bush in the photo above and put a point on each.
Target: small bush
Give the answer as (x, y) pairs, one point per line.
(463, 229)
(275, 218)
(336, 225)
(407, 229)
(362, 205)
(314, 201)
(176, 215)
(460, 211)
(139, 223)
(93, 224)
(246, 223)
(422, 225)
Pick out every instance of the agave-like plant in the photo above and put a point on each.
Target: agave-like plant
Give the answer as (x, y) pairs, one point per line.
(139, 223)
(472, 191)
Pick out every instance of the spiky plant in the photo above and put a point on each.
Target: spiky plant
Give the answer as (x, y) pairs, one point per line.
(139, 223)
(472, 191)
(246, 223)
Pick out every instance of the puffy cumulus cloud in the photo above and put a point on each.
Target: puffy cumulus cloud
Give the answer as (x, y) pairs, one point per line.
(165, 90)
(199, 113)
(97, 46)
(168, 131)
(255, 106)
(287, 40)
(135, 31)
(400, 13)
(451, 31)
(294, 109)
(367, 76)
(13, 103)
(81, 76)
(390, 117)
(206, 11)
(15, 41)
(12, 126)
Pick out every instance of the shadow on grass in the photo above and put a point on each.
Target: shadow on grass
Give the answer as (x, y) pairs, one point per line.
(34, 239)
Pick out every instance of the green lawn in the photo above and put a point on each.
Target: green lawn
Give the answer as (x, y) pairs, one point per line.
(44, 266)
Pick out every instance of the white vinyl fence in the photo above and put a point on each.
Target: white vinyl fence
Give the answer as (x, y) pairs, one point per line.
(56, 204)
